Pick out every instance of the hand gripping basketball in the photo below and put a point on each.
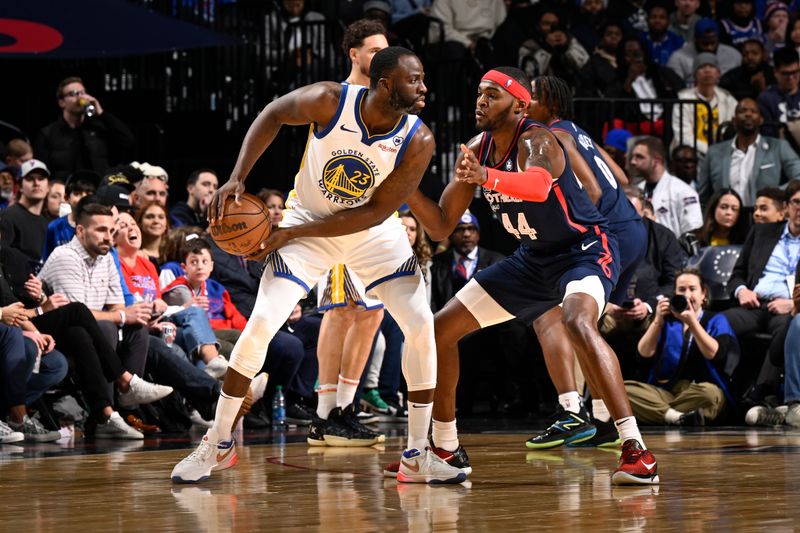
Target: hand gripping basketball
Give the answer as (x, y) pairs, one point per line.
(242, 227)
(216, 209)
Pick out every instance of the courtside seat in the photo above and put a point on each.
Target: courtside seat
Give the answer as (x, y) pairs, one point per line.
(716, 264)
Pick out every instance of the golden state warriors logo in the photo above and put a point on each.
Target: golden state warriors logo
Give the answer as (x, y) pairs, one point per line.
(347, 178)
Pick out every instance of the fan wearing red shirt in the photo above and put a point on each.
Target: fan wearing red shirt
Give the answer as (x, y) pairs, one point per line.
(142, 280)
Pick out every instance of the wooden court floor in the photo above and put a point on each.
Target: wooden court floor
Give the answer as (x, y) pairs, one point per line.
(724, 480)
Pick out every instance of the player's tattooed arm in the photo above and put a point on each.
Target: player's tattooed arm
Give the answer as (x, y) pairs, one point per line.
(538, 147)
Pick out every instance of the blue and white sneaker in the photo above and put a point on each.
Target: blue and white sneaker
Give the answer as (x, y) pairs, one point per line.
(568, 428)
(206, 458)
(427, 467)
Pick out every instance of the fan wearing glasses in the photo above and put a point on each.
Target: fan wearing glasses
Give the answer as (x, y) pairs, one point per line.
(780, 103)
(85, 135)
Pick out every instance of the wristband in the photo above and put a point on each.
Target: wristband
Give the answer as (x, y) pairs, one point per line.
(123, 317)
(39, 311)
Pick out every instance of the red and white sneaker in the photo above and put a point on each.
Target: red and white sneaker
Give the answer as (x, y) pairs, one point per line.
(636, 466)
(457, 459)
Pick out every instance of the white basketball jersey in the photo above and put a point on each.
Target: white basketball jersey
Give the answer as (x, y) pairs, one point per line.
(344, 163)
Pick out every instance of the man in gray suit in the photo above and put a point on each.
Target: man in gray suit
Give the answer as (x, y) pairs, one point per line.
(749, 162)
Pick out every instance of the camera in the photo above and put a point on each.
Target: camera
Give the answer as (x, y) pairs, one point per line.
(679, 303)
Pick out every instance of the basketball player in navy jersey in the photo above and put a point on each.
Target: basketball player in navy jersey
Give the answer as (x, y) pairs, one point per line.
(566, 256)
(552, 105)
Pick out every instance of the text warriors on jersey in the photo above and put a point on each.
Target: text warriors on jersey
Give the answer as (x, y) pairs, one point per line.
(348, 177)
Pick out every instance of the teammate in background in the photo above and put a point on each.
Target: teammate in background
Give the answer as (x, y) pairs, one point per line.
(367, 152)
(565, 257)
(350, 318)
(552, 105)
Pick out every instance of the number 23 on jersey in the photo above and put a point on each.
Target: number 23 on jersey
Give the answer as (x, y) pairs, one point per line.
(522, 226)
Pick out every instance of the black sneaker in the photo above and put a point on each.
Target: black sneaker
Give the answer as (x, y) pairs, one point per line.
(256, 420)
(606, 436)
(458, 458)
(692, 419)
(298, 415)
(399, 412)
(566, 428)
(316, 432)
(343, 429)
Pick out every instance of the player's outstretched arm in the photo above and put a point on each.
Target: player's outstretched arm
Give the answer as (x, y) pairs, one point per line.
(541, 158)
(316, 103)
(387, 198)
(579, 166)
(439, 220)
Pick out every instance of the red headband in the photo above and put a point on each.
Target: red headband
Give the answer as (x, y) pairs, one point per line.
(508, 83)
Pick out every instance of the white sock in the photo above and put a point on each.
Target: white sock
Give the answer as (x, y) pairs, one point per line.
(672, 416)
(628, 429)
(600, 411)
(419, 419)
(445, 435)
(227, 409)
(570, 401)
(326, 400)
(346, 391)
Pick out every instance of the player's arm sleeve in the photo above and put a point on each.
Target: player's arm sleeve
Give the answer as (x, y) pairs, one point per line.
(532, 185)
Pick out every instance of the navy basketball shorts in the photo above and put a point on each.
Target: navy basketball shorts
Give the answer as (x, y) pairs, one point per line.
(529, 283)
(632, 243)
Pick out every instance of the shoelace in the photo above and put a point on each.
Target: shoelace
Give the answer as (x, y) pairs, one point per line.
(201, 453)
(630, 455)
(774, 418)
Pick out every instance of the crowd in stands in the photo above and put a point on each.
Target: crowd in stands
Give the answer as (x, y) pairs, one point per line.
(114, 295)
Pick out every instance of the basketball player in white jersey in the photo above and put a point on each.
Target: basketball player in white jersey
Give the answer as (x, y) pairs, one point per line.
(366, 154)
(350, 317)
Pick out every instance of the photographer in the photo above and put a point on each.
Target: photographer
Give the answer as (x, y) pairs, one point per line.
(694, 352)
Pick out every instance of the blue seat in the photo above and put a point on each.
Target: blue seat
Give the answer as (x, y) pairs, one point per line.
(716, 264)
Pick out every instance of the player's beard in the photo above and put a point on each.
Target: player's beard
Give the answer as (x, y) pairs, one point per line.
(495, 123)
(406, 105)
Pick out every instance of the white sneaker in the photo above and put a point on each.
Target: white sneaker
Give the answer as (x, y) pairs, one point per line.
(9, 435)
(793, 415)
(764, 416)
(199, 421)
(142, 392)
(217, 367)
(427, 467)
(116, 428)
(206, 458)
(34, 431)
(259, 385)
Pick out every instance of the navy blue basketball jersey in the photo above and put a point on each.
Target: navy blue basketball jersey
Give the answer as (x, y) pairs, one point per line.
(555, 224)
(613, 204)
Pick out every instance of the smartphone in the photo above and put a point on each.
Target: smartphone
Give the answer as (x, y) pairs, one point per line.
(627, 304)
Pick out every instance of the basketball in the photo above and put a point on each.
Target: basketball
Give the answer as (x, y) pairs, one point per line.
(242, 228)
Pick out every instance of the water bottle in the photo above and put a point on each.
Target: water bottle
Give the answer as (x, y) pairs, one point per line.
(279, 409)
(88, 107)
